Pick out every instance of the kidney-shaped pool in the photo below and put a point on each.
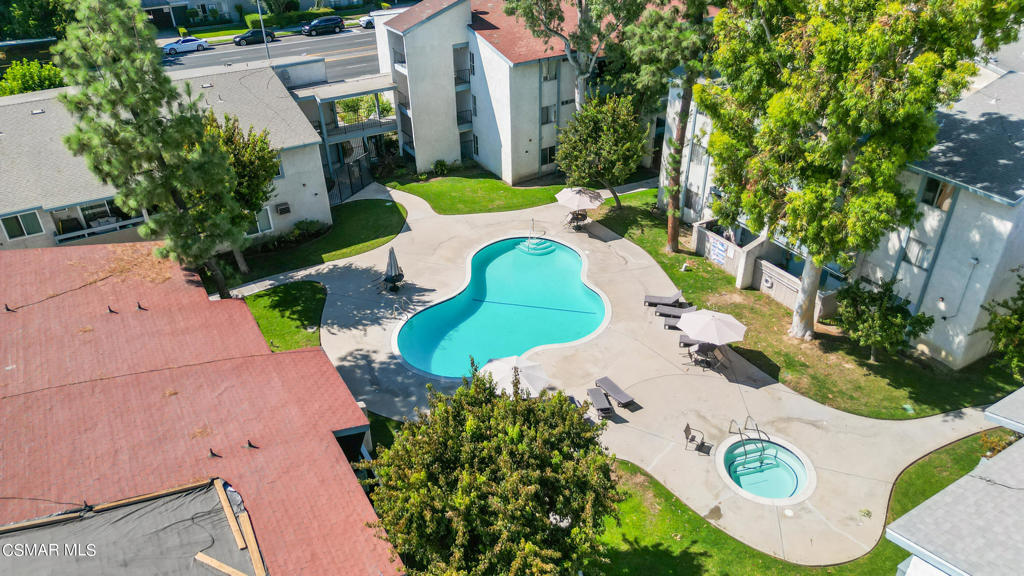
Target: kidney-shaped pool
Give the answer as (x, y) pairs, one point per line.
(521, 294)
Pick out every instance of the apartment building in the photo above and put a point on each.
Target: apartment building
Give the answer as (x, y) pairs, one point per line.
(48, 196)
(473, 83)
(959, 255)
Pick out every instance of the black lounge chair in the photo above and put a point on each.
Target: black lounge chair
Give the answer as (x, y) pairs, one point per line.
(691, 438)
(612, 389)
(670, 323)
(686, 342)
(650, 300)
(600, 402)
(674, 311)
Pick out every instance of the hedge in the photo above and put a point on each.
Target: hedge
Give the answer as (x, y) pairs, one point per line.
(286, 18)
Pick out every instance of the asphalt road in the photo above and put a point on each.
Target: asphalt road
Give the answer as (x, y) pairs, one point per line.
(350, 54)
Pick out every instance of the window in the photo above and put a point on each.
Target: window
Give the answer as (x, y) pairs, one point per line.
(280, 167)
(698, 154)
(547, 114)
(550, 69)
(691, 199)
(19, 225)
(472, 64)
(474, 105)
(261, 224)
(918, 253)
(938, 194)
(476, 145)
(547, 155)
(568, 101)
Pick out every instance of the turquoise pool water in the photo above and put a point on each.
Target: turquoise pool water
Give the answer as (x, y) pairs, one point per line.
(765, 469)
(520, 296)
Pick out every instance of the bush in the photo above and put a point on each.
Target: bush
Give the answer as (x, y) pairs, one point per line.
(182, 31)
(286, 18)
(440, 168)
(423, 176)
(241, 12)
(192, 15)
(29, 76)
(385, 6)
(303, 231)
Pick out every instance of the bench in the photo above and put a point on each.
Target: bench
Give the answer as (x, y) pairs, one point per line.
(613, 390)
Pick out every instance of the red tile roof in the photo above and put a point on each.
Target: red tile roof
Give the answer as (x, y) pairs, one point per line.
(98, 406)
(417, 13)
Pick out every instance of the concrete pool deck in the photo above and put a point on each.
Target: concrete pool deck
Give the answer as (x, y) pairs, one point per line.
(857, 459)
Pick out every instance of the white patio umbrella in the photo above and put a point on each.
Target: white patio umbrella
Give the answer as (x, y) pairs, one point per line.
(713, 327)
(532, 378)
(577, 199)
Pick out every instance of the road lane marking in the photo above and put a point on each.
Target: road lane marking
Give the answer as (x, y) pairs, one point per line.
(361, 55)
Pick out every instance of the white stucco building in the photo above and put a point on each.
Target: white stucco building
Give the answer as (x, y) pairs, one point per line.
(49, 197)
(959, 255)
(473, 83)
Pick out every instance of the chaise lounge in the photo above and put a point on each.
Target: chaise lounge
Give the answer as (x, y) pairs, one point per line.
(612, 389)
(650, 300)
(674, 311)
(601, 404)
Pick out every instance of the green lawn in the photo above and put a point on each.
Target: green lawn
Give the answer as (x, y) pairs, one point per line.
(289, 314)
(358, 227)
(215, 31)
(658, 534)
(475, 191)
(830, 369)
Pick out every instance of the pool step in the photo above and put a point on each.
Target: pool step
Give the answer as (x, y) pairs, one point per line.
(536, 247)
(754, 461)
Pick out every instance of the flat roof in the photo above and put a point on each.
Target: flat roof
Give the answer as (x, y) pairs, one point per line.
(351, 88)
(973, 525)
(102, 404)
(1008, 412)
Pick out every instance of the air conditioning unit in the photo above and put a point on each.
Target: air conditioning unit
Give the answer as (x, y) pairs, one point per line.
(282, 208)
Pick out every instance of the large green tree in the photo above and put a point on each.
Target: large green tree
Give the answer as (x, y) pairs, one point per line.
(255, 163)
(140, 135)
(29, 76)
(668, 37)
(822, 105)
(1006, 324)
(602, 144)
(584, 33)
(23, 19)
(482, 484)
(879, 318)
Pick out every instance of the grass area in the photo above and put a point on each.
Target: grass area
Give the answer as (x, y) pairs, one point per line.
(830, 369)
(232, 29)
(358, 227)
(658, 534)
(474, 191)
(289, 314)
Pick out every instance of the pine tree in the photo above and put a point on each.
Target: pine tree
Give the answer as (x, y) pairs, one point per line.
(140, 135)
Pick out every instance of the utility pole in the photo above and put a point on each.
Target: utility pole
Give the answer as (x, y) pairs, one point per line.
(266, 43)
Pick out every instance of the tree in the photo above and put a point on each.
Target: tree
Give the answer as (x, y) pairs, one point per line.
(29, 76)
(25, 19)
(139, 135)
(255, 164)
(497, 485)
(584, 35)
(602, 143)
(1006, 323)
(824, 103)
(668, 37)
(878, 318)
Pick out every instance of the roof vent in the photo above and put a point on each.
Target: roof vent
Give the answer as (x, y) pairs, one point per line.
(1018, 143)
(207, 85)
(38, 111)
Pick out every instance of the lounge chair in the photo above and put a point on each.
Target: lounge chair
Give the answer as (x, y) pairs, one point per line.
(600, 402)
(670, 323)
(703, 355)
(686, 342)
(674, 311)
(613, 390)
(650, 300)
(691, 438)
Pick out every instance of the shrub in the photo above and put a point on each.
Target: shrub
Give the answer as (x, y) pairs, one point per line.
(241, 12)
(192, 14)
(878, 319)
(303, 231)
(182, 31)
(440, 168)
(286, 18)
(996, 443)
(385, 6)
(29, 76)
(423, 176)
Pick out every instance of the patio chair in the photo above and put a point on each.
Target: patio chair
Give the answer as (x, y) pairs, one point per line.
(703, 355)
(691, 438)
(674, 311)
(650, 300)
(670, 323)
(613, 390)
(600, 402)
(686, 342)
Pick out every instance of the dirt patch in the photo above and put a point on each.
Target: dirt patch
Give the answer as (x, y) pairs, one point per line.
(638, 484)
(727, 298)
(714, 514)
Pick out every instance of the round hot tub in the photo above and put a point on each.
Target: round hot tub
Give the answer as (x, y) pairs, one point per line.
(768, 471)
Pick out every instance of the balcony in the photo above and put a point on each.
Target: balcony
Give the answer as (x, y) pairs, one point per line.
(369, 127)
(465, 119)
(398, 57)
(462, 78)
(97, 227)
(402, 99)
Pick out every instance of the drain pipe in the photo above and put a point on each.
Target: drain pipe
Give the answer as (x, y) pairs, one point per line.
(974, 266)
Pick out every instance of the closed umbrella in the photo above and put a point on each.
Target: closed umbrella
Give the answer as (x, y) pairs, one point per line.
(714, 327)
(393, 273)
(532, 379)
(577, 199)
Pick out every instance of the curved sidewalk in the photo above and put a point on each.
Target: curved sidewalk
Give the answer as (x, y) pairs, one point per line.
(857, 459)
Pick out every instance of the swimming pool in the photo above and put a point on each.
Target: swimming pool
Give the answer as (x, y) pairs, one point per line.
(521, 294)
(767, 470)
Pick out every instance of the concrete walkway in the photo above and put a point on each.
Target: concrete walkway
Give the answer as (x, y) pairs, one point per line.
(856, 459)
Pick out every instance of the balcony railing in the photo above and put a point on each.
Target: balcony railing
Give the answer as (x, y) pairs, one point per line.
(462, 76)
(402, 99)
(97, 230)
(464, 117)
(398, 57)
(407, 139)
(385, 124)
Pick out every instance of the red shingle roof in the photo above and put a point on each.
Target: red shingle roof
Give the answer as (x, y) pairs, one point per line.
(510, 37)
(417, 13)
(99, 406)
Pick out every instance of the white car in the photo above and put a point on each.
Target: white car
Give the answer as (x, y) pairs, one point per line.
(366, 21)
(187, 44)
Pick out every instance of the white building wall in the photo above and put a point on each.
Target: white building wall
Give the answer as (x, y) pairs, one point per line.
(303, 187)
(524, 107)
(492, 123)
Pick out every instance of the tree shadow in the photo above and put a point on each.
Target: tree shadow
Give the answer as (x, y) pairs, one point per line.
(301, 302)
(658, 558)
(357, 297)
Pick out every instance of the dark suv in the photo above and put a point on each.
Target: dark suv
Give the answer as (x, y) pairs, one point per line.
(253, 36)
(325, 24)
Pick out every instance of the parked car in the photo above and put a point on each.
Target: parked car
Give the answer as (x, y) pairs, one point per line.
(366, 21)
(326, 24)
(252, 36)
(187, 44)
